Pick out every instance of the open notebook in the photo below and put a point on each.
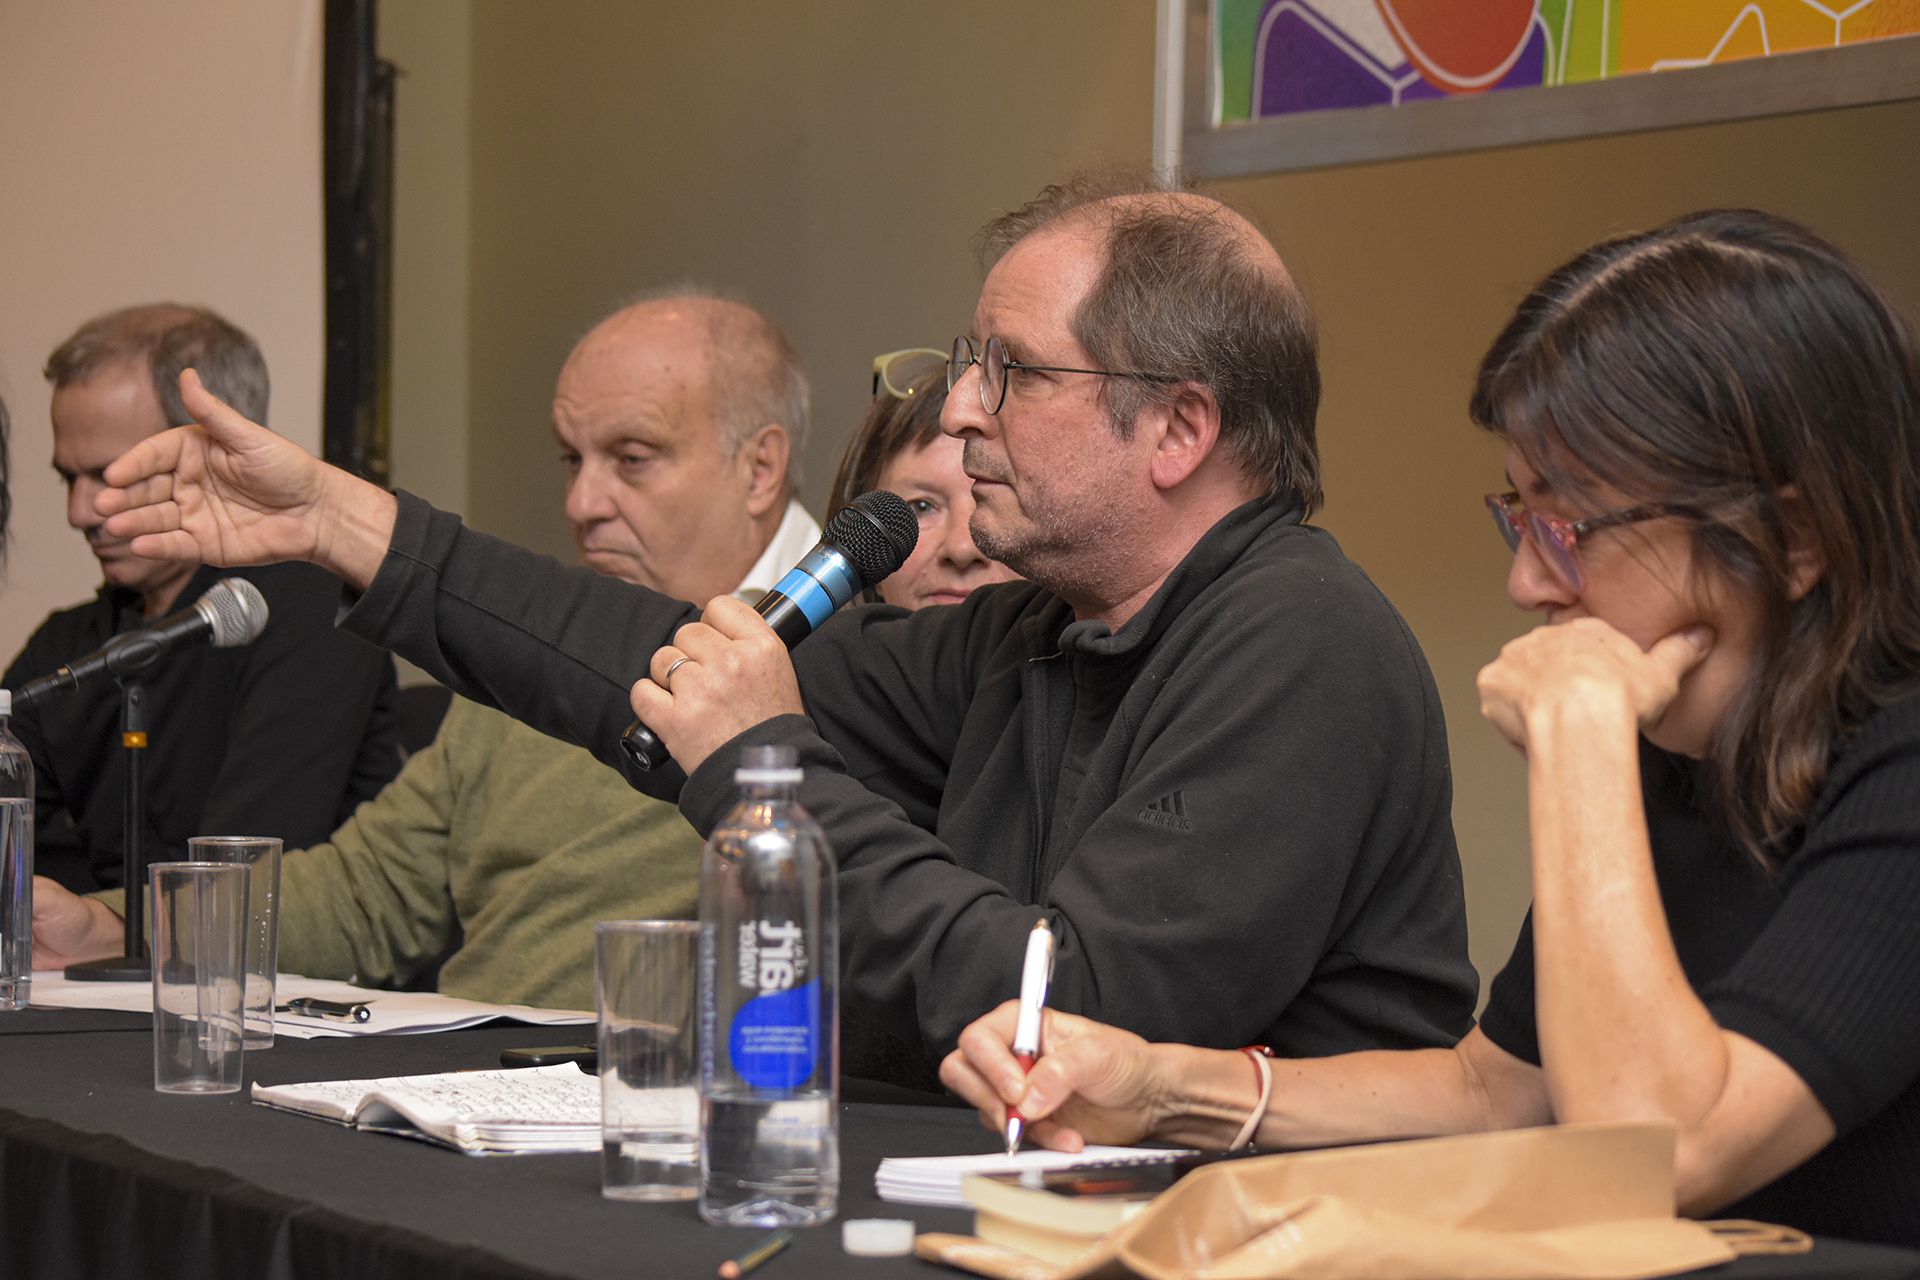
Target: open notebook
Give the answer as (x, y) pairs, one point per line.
(479, 1112)
(935, 1180)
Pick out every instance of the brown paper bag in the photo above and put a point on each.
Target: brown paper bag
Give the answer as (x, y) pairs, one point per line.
(1568, 1202)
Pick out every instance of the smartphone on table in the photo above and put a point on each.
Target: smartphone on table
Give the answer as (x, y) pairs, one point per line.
(588, 1056)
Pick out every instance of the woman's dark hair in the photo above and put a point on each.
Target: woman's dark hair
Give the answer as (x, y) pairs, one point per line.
(1736, 364)
(893, 427)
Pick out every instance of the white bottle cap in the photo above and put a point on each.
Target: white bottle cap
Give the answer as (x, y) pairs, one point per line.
(768, 766)
(877, 1237)
(6, 702)
(767, 777)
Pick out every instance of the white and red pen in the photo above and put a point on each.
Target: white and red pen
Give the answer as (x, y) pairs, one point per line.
(1035, 974)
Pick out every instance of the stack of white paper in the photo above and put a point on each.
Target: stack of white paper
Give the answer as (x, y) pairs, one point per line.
(935, 1180)
(391, 1012)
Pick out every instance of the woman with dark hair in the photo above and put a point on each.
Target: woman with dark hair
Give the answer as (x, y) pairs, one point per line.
(1713, 441)
(900, 448)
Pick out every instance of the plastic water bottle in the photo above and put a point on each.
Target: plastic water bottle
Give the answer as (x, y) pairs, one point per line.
(769, 1007)
(16, 865)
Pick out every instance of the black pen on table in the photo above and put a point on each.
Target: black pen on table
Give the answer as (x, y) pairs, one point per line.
(1035, 974)
(331, 1010)
(772, 1243)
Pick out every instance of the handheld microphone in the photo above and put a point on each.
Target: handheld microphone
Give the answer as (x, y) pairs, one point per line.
(232, 612)
(867, 540)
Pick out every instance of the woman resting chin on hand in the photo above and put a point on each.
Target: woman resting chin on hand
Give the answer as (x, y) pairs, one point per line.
(1713, 461)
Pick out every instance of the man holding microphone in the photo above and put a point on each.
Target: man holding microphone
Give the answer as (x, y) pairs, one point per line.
(1197, 739)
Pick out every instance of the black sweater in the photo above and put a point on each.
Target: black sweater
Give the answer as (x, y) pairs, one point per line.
(1819, 964)
(1235, 810)
(281, 737)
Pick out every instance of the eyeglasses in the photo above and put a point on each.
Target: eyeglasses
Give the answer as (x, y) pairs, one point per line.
(1558, 540)
(995, 363)
(905, 372)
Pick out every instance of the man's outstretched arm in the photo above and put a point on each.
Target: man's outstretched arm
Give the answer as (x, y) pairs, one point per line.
(227, 491)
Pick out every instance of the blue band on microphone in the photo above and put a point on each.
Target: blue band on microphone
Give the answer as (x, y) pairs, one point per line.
(820, 584)
(809, 595)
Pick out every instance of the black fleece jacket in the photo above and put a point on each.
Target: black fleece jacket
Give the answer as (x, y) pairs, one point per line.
(1235, 810)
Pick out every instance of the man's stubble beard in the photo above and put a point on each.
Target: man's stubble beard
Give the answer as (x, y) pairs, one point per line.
(1072, 557)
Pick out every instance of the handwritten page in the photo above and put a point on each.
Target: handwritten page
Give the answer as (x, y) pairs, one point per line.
(481, 1112)
(935, 1180)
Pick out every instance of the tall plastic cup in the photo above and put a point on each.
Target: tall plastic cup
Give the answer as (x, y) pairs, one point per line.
(199, 940)
(649, 1097)
(261, 856)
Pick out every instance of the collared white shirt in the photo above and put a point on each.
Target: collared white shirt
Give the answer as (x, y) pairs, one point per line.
(797, 534)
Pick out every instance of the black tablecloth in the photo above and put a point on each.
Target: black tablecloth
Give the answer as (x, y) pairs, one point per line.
(101, 1176)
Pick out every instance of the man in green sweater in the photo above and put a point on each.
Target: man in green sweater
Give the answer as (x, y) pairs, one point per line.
(497, 848)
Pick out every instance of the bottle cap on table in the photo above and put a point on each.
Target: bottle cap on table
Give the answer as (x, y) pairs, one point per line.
(877, 1237)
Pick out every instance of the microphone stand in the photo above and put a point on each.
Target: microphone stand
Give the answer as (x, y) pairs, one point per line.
(132, 966)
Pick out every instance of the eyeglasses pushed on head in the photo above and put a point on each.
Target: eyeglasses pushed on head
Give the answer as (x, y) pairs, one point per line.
(905, 373)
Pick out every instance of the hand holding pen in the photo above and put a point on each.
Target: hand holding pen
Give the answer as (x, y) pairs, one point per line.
(1035, 973)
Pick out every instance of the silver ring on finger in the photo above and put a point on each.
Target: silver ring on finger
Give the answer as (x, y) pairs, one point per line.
(666, 681)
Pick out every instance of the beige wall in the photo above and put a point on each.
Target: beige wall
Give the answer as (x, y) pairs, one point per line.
(149, 152)
(431, 45)
(827, 160)
(832, 160)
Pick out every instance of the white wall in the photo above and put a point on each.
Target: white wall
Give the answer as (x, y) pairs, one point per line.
(149, 152)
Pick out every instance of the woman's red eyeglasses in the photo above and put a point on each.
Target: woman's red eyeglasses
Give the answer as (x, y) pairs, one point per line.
(1557, 540)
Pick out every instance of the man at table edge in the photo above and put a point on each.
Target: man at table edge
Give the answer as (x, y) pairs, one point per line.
(220, 719)
(678, 418)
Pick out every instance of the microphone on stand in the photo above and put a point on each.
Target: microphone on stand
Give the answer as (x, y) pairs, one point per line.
(232, 612)
(867, 540)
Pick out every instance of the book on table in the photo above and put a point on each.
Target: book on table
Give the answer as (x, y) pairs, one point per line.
(503, 1112)
(1058, 1214)
(935, 1180)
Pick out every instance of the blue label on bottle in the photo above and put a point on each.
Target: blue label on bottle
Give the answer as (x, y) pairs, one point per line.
(775, 1038)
